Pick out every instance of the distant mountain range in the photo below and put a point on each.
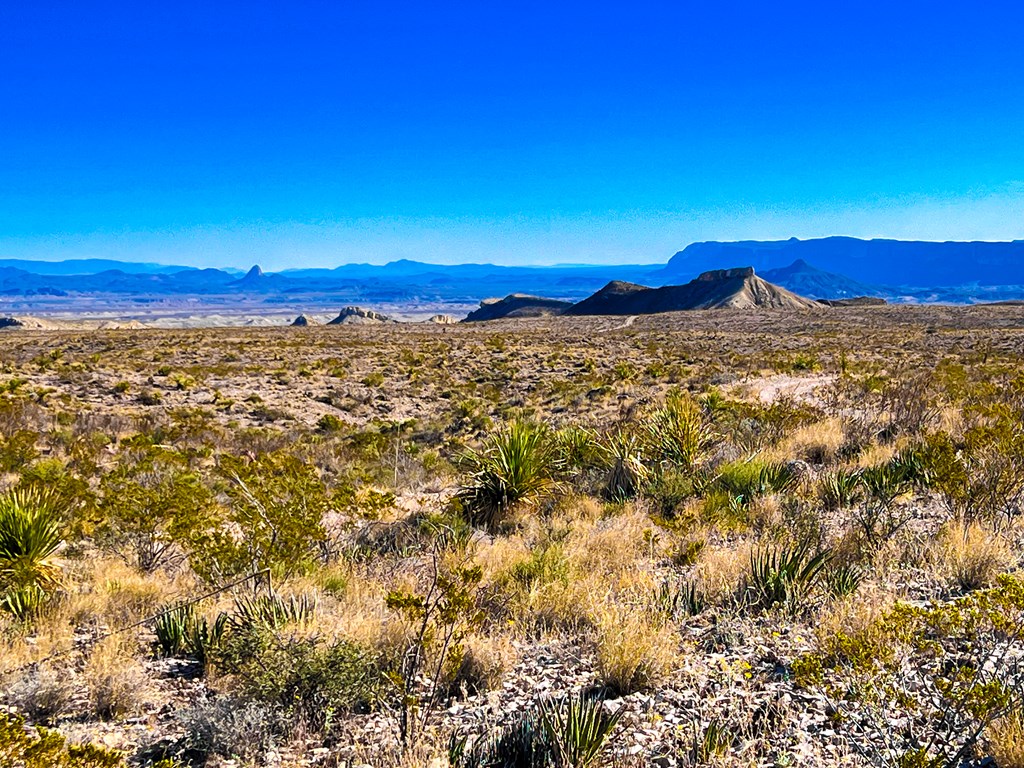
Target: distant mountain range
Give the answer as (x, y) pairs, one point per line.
(904, 263)
(830, 268)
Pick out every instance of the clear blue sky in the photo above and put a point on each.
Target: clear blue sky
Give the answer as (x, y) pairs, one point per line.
(313, 133)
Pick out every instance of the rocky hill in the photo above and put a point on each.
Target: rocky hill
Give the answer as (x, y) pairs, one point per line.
(737, 288)
(517, 305)
(805, 280)
(359, 316)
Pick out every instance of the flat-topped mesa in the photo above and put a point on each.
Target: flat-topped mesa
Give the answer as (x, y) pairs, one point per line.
(517, 305)
(726, 274)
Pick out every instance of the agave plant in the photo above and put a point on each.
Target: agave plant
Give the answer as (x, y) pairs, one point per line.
(30, 535)
(171, 629)
(518, 466)
(841, 489)
(785, 576)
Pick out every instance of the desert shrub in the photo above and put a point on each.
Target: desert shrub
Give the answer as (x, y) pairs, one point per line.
(669, 490)
(18, 450)
(948, 669)
(979, 477)
(786, 577)
(38, 747)
(43, 693)
(517, 467)
(233, 728)
(308, 680)
(277, 503)
(151, 505)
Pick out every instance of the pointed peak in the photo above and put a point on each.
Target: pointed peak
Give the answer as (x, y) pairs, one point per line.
(254, 272)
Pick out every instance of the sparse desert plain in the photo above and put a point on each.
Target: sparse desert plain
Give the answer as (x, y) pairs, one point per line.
(731, 537)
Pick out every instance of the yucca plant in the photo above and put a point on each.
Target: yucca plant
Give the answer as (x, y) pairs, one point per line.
(578, 448)
(24, 603)
(577, 727)
(523, 744)
(30, 536)
(202, 637)
(627, 471)
(713, 741)
(785, 576)
(272, 611)
(677, 434)
(843, 580)
(517, 466)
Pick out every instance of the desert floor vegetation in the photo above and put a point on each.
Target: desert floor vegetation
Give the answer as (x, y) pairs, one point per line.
(707, 538)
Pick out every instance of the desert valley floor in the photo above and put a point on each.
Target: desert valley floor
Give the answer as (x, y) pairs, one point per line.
(725, 537)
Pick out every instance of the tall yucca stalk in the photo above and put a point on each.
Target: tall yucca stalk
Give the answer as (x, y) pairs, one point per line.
(517, 466)
(30, 535)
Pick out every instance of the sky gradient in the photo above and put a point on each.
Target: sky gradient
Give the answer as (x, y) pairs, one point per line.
(314, 134)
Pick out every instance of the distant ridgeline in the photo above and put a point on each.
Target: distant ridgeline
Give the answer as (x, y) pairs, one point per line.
(876, 262)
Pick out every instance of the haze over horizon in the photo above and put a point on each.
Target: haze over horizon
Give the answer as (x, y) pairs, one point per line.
(321, 135)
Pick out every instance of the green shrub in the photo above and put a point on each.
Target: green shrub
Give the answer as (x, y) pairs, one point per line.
(311, 682)
(950, 669)
(38, 747)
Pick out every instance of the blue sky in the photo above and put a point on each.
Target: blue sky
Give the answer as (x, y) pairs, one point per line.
(310, 133)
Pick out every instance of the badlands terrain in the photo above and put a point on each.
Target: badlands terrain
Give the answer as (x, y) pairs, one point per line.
(726, 537)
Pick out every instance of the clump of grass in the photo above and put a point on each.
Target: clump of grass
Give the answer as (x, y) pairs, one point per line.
(633, 653)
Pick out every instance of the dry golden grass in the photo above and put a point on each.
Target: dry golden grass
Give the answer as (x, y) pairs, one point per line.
(970, 556)
(816, 443)
(118, 685)
(1005, 740)
(633, 652)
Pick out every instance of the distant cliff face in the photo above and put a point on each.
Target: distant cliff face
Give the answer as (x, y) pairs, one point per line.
(875, 262)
